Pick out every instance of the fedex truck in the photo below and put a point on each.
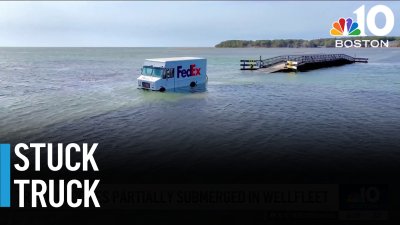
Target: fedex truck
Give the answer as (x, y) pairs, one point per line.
(163, 74)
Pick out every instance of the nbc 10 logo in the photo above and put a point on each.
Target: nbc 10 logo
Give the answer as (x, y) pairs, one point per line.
(349, 27)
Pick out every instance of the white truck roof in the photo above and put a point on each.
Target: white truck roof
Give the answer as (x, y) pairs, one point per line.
(173, 59)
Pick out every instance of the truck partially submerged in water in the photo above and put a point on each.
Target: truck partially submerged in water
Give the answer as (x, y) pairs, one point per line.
(163, 74)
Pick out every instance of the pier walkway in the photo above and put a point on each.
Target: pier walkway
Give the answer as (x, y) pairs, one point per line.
(299, 62)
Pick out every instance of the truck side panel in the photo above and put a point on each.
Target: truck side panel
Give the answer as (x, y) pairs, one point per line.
(188, 71)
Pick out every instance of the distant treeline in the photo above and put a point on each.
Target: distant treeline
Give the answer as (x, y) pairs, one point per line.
(297, 43)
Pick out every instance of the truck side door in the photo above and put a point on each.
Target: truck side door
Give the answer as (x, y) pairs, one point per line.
(169, 78)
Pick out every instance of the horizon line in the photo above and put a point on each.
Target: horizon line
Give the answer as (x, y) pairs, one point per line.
(107, 47)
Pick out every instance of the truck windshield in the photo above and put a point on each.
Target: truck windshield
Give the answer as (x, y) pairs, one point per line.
(152, 71)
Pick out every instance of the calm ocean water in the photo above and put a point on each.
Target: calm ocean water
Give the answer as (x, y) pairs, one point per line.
(333, 117)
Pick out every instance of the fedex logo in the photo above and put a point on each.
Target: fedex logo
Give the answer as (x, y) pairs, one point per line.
(192, 71)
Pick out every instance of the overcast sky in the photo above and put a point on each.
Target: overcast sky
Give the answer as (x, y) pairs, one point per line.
(179, 23)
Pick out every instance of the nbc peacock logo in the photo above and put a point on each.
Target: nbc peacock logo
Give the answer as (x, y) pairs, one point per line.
(345, 27)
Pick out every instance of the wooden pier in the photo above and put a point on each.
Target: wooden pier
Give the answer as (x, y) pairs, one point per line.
(286, 63)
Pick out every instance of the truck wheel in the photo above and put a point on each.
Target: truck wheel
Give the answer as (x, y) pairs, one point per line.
(162, 89)
(192, 84)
